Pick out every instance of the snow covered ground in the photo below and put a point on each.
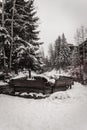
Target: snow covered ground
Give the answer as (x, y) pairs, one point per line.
(61, 111)
(55, 73)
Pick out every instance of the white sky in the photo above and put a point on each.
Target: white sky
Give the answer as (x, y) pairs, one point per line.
(58, 16)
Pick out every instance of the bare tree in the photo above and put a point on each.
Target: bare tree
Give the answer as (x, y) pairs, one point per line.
(81, 35)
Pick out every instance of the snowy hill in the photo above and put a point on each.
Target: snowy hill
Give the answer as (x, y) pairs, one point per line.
(61, 111)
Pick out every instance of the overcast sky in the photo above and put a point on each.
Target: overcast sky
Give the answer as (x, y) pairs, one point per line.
(58, 16)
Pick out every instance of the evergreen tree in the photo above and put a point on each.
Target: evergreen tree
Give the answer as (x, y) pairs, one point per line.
(51, 55)
(75, 57)
(57, 52)
(25, 32)
(64, 52)
(5, 40)
(25, 20)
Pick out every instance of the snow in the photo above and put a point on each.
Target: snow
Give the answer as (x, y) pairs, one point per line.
(36, 95)
(55, 73)
(20, 75)
(59, 96)
(50, 75)
(20, 39)
(65, 110)
(26, 74)
(3, 83)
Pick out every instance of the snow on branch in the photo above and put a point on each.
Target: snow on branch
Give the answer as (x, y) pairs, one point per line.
(17, 38)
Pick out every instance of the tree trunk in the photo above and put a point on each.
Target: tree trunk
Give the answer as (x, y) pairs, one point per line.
(4, 56)
(29, 73)
(3, 1)
(12, 24)
(16, 68)
(59, 70)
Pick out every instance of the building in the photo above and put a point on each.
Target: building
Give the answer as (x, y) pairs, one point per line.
(71, 46)
(83, 58)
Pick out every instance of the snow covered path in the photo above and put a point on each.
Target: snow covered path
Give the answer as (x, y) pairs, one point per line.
(61, 111)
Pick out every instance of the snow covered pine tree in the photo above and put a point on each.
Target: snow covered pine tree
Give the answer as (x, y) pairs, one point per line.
(26, 43)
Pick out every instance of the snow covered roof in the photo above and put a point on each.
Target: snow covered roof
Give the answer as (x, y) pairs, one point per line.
(83, 43)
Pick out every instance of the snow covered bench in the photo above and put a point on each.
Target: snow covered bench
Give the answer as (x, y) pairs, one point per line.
(63, 83)
(69, 80)
(28, 86)
(3, 87)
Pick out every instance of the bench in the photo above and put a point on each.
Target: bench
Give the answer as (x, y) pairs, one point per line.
(3, 88)
(28, 86)
(63, 83)
(69, 80)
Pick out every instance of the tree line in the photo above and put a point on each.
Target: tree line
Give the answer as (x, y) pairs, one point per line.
(62, 54)
(59, 53)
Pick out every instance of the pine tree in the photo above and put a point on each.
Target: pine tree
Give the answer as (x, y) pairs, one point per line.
(57, 52)
(64, 52)
(51, 55)
(75, 57)
(25, 20)
(25, 32)
(5, 40)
